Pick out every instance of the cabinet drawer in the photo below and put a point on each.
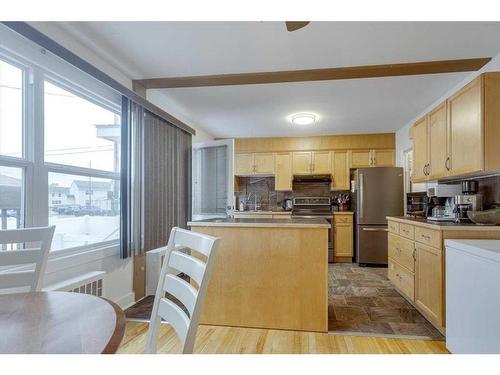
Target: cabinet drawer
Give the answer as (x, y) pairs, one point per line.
(402, 251)
(428, 236)
(393, 227)
(342, 219)
(407, 230)
(403, 280)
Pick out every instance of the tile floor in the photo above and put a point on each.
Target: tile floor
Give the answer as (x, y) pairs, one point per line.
(363, 300)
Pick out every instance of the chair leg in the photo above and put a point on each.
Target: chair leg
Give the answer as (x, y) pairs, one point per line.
(153, 335)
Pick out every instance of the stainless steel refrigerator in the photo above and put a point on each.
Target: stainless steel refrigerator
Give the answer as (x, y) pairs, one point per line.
(379, 193)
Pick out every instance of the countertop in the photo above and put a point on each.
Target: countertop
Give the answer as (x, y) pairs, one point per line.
(261, 223)
(443, 225)
(262, 212)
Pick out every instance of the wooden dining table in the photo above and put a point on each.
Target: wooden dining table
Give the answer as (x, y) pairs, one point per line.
(59, 322)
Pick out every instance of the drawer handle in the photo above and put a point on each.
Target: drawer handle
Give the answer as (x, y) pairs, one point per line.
(427, 237)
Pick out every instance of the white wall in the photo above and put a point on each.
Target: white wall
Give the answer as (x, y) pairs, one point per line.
(403, 141)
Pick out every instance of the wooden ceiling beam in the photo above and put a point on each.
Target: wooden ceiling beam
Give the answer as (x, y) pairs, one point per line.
(351, 72)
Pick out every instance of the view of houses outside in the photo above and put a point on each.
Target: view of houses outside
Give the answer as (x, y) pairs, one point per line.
(78, 133)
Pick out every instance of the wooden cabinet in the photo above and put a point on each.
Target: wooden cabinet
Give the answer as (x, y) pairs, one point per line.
(402, 279)
(321, 162)
(437, 143)
(461, 136)
(243, 164)
(283, 175)
(340, 167)
(420, 150)
(343, 236)
(302, 162)
(312, 162)
(382, 158)
(254, 163)
(360, 158)
(371, 158)
(264, 163)
(465, 128)
(429, 282)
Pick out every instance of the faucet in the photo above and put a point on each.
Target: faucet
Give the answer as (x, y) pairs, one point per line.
(254, 200)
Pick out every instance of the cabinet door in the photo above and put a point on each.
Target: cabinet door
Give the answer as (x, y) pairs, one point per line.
(465, 129)
(438, 142)
(383, 158)
(343, 240)
(341, 176)
(244, 164)
(264, 163)
(429, 282)
(283, 181)
(420, 150)
(360, 158)
(302, 162)
(321, 162)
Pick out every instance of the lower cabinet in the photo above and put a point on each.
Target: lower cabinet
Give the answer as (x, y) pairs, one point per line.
(429, 282)
(343, 236)
(415, 267)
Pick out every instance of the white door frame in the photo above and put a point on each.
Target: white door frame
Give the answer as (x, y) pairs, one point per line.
(229, 143)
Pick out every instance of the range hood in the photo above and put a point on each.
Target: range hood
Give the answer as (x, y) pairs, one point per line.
(312, 178)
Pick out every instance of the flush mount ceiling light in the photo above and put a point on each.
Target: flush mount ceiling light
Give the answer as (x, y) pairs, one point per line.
(303, 119)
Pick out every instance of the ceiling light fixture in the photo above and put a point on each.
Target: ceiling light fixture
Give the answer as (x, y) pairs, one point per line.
(303, 119)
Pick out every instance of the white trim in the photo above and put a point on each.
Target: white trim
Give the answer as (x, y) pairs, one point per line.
(126, 300)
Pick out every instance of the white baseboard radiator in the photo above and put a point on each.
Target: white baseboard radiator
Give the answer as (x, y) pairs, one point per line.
(92, 283)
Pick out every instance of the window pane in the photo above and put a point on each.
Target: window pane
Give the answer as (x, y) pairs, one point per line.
(11, 196)
(11, 110)
(79, 132)
(85, 210)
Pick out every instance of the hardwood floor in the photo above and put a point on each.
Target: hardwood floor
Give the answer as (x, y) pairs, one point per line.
(226, 340)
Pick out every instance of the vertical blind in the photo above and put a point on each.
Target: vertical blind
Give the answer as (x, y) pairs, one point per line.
(166, 180)
(158, 193)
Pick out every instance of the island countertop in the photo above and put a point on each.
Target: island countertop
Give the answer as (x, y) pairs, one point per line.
(261, 223)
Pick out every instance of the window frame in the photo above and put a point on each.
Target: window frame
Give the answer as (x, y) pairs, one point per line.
(39, 66)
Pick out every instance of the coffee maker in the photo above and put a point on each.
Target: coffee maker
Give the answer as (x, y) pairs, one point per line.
(469, 200)
(441, 202)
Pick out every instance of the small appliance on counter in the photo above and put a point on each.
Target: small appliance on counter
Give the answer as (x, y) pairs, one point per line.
(441, 202)
(416, 204)
(469, 200)
(287, 204)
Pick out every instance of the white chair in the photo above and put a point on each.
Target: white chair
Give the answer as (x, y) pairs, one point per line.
(37, 241)
(184, 325)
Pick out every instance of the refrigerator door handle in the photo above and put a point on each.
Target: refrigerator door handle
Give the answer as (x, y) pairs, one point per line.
(376, 229)
(361, 188)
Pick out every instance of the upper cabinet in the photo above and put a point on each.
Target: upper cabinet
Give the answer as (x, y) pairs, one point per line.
(371, 158)
(247, 164)
(340, 164)
(302, 162)
(312, 162)
(466, 130)
(284, 176)
(462, 135)
(360, 158)
(420, 149)
(437, 143)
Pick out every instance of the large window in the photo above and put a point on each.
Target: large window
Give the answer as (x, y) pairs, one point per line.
(11, 110)
(59, 151)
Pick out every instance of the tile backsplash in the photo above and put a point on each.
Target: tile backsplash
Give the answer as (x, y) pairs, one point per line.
(269, 199)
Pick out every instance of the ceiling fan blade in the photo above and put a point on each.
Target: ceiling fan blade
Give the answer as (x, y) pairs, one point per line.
(295, 25)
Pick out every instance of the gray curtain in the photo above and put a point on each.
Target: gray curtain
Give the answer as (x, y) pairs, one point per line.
(166, 176)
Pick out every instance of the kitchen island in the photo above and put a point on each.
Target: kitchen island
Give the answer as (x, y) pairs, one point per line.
(268, 273)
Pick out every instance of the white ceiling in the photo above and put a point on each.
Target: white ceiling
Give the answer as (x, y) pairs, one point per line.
(166, 49)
